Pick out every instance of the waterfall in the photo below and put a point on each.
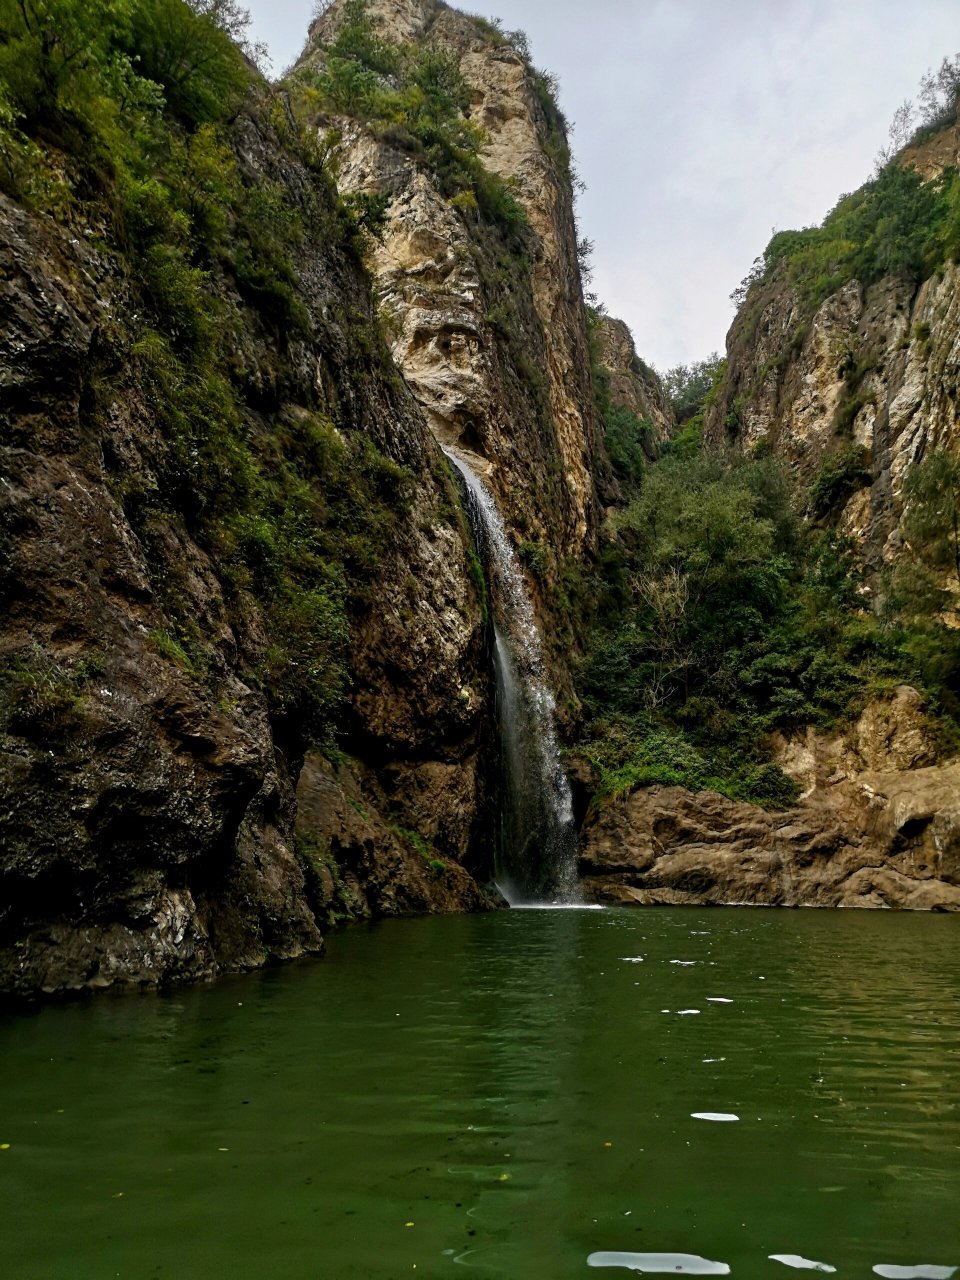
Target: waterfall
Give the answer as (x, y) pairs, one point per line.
(537, 849)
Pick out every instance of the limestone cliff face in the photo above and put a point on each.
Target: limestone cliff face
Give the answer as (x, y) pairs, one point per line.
(876, 366)
(877, 825)
(488, 327)
(633, 384)
(149, 797)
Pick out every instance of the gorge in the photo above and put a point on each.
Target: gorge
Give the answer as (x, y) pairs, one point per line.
(359, 580)
(269, 666)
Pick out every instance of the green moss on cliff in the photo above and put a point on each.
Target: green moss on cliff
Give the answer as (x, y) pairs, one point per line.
(142, 118)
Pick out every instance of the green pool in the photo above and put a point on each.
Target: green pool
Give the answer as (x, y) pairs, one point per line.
(506, 1096)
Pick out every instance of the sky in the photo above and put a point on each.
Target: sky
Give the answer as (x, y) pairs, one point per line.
(703, 126)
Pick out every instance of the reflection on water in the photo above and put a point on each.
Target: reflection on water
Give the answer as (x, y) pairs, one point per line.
(502, 1095)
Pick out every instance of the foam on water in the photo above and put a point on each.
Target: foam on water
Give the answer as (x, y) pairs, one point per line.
(683, 1264)
(799, 1263)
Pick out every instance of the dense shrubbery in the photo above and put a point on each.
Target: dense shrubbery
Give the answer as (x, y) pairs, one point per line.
(719, 618)
(121, 111)
(416, 97)
(895, 224)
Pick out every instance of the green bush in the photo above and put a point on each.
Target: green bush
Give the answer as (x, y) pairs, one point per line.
(894, 224)
(840, 476)
(717, 617)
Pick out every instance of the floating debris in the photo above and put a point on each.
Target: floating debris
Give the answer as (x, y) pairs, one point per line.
(684, 1264)
(801, 1264)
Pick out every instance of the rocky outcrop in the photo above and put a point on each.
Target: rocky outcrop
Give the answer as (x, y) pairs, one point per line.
(876, 826)
(875, 368)
(633, 384)
(486, 322)
(149, 794)
(358, 866)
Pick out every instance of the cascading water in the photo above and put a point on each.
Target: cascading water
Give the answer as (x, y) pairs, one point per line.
(537, 856)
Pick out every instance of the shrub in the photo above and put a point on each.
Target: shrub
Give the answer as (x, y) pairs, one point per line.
(840, 476)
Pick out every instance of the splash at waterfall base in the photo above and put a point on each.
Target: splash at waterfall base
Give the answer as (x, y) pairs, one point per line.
(536, 858)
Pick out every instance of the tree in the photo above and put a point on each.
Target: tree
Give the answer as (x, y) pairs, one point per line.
(687, 384)
(931, 521)
(190, 50)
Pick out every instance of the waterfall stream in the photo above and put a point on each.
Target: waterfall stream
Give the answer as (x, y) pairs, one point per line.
(537, 849)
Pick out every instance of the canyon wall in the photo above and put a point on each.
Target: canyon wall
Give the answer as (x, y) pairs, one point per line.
(850, 392)
(874, 366)
(151, 741)
(485, 313)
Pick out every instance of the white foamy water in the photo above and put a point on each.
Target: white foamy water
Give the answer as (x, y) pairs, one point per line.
(538, 855)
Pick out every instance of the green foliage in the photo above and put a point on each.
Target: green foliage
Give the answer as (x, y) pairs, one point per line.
(422, 847)
(416, 97)
(629, 442)
(168, 646)
(840, 476)
(537, 558)
(41, 696)
(924, 587)
(717, 618)
(692, 390)
(184, 49)
(895, 224)
(687, 385)
(126, 106)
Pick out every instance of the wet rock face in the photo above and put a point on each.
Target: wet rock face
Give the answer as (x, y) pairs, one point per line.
(147, 804)
(358, 865)
(877, 826)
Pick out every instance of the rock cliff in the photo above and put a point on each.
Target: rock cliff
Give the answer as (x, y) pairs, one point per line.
(877, 825)
(874, 369)
(159, 657)
(851, 380)
(634, 385)
(484, 308)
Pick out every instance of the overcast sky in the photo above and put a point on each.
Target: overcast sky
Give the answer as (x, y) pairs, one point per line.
(703, 125)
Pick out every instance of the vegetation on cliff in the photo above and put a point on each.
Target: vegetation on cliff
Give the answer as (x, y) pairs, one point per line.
(415, 98)
(896, 223)
(130, 117)
(719, 615)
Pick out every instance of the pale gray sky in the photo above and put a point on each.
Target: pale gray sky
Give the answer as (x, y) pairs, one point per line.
(703, 125)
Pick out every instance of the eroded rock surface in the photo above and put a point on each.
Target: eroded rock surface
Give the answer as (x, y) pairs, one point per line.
(633, 384)
(489, 327)
(875, 827)
(876, 366)
(149, 796)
